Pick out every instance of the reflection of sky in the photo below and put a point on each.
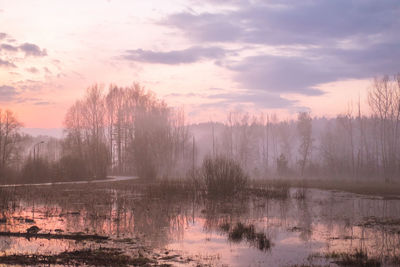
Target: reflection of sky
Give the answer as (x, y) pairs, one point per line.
(324, 214)
(287, 248)
(325, 222)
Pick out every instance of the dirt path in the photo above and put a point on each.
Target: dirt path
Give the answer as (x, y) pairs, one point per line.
(109, 179)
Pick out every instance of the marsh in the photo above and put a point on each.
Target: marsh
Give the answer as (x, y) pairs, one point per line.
(139, 220)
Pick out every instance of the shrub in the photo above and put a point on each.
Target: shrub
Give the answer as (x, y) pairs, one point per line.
(8, 175)
(35, 171)
(282, 165)
(223, 176)
(72, 168)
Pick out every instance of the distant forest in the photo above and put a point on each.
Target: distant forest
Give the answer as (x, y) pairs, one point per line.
(129, 131)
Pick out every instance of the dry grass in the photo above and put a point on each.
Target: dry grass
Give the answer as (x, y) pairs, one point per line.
(276, 189)
(182, 189)
(363, 187)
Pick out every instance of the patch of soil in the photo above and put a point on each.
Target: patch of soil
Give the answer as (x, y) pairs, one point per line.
(98, 257)
(77, 237)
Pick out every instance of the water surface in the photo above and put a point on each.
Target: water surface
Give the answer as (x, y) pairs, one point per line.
(299, 229)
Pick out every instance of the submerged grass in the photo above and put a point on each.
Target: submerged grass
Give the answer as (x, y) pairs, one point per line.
(358, 258)
(240, 232)
(275, 189)
(192, 188)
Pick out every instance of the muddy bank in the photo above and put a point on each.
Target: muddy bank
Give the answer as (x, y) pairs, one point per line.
(76, 237)
(98, 257)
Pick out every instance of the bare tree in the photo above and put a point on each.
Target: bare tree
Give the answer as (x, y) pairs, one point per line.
(9, 135)
(384, 100)
(346, 123)
(304, 128)
(85, 133)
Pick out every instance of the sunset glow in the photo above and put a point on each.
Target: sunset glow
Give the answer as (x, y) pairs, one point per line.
(204, 56)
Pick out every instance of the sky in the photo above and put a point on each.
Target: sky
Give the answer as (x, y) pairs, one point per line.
(208, 57)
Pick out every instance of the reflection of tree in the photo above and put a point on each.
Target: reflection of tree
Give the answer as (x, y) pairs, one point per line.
(217, 212)
(361, 224)
(161, 220)
(305, 221)
(106, 212)
(350, 222)
(262, 218)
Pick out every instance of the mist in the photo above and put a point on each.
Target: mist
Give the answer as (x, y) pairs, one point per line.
(200, 133)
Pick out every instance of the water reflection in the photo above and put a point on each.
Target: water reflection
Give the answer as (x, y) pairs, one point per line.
(323, 222)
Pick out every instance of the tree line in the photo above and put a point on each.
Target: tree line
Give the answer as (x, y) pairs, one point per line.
(125, 131)
(129, 131)
(352, 145)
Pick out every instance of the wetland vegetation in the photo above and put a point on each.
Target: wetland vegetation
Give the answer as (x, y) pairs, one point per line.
(138, 223)
(250, 192)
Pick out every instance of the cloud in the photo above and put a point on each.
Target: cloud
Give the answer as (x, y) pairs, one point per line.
(26, 99)
(189, 55)
(184, 95)
(27, 48)
(7, 64)
(8, 47)
(290, 22)
(30, 85)
(301, 74)
(32, 50)
(360, 62)
(32, 100)
(277, 75)
(315, 41)
(42, 103)
(11, 93)
(46, 69)
(260, 99)
(205, 27)
(7, 93)
(32, 70)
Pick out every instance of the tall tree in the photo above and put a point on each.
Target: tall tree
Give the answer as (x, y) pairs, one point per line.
(304, 127)
(384, 100)
(85, 128)
(9, 135)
